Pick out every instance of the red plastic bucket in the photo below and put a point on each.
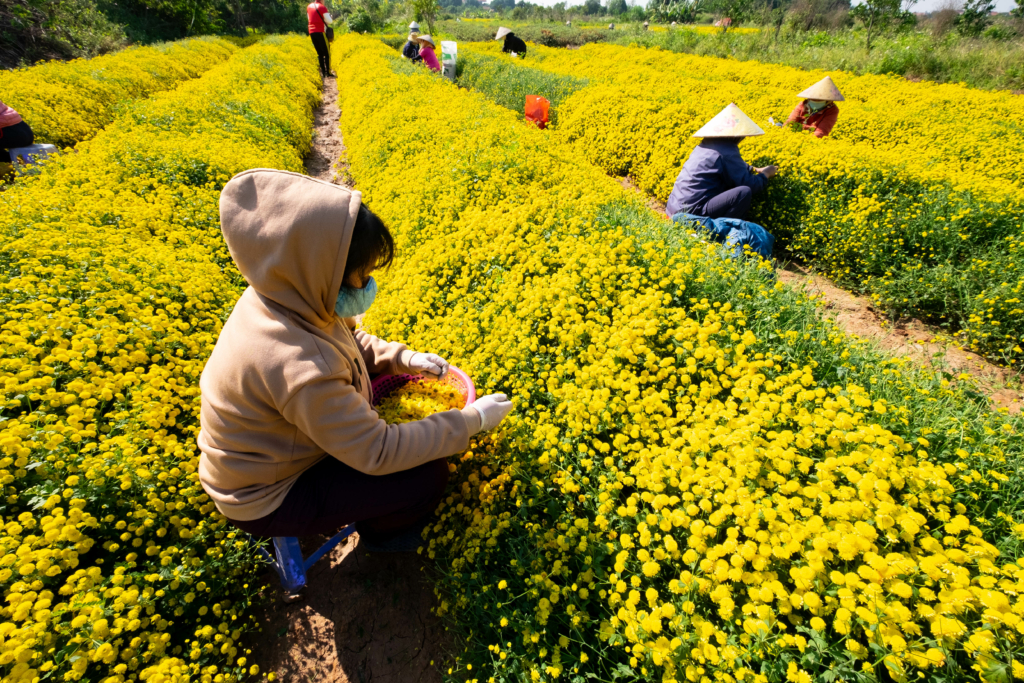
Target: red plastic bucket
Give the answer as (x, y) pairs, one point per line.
(384, 385)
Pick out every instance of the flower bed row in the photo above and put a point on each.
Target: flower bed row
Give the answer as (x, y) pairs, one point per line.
(924, 238)
(702, 479)
(67, 102)
(114, 282)
(935, 125)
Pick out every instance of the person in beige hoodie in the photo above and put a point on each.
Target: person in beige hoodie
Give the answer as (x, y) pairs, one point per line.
(290, 443)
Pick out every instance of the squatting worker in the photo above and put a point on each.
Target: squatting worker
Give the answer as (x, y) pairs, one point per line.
(513, 43)
(818, 112)
(715, 181)
(14, 132)
(319, 19)
(427, 53)
(411, 49)
(290, 445)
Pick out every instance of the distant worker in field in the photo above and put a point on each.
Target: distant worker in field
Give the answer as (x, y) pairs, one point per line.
(715, 181)
(411, 49)
(14, 132)
(291, 445)
(818, 112)
(319, 19)
(427, 53)
(514, 45)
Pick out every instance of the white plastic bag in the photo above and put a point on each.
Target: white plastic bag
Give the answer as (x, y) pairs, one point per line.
(449, 55)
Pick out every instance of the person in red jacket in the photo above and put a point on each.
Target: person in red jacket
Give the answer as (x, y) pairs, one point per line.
(319, 20)
(818, 112)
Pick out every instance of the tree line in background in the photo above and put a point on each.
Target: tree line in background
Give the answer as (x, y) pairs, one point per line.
(39, 29)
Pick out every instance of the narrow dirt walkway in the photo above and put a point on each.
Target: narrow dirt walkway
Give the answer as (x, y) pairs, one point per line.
(362, 618)
(856, 315)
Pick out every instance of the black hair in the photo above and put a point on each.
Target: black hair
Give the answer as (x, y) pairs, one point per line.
(372, 243)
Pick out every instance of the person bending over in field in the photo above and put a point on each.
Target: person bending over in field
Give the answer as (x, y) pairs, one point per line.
(411, 49)
(715, 181)
(14, 132)
(513, 44)
(818, 112)
(427, 54)
(290, 445)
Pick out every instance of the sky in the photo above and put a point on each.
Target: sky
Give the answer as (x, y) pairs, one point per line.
(921, 6)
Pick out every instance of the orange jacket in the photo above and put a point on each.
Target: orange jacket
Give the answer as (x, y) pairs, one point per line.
(820, 122)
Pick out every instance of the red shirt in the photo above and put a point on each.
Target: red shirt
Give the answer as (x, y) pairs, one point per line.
(820, 122)
(315, 12)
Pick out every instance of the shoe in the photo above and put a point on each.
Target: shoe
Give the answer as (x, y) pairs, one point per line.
(406, 542)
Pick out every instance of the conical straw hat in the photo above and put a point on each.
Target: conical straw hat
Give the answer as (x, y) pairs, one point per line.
(824, 89)
(502, 32)
(731, 122)
(426, 39)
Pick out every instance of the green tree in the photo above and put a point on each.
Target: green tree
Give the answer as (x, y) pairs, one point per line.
(1018, 11)
(736, 10)
(683, 11)
(592, 7)
(617, 7)
(975, 17)
(426, 10)
(877, 15)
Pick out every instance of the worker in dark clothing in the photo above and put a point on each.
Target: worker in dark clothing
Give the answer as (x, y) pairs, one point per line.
(715, 181)
(514, 45)
(411, 49)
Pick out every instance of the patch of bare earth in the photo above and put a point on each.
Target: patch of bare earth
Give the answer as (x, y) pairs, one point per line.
(856, 315)
(362, 618)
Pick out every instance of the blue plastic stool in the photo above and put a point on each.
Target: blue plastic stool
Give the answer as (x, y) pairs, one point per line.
(290, 565)
(23, 157)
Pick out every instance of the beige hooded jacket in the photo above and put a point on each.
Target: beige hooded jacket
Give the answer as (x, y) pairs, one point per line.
(288, 381)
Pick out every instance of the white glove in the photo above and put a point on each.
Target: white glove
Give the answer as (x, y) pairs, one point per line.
(428, 364)
(492, 410)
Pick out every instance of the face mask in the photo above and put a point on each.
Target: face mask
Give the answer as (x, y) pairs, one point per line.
(817, 105)
(352, 302)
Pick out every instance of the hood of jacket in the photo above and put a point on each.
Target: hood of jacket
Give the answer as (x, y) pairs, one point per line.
(289, 235)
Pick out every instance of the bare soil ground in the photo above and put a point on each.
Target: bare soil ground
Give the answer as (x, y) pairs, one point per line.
(856, 315)
(363, 618)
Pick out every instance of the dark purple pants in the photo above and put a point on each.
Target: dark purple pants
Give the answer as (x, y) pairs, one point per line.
(323, 52)
(734, 203)
(18, 135)
(330, 495)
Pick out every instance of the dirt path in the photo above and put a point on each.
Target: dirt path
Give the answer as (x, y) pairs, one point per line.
(363, 618)
(856, 315)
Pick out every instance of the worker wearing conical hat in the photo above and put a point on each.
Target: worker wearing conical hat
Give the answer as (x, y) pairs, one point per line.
(715, 181)
(514, 45)
(818, 112)
(411, 49)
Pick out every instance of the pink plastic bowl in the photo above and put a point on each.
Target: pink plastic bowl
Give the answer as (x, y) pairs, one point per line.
(385, 384)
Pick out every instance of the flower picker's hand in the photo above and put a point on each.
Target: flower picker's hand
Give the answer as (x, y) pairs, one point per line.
(429, 364)
(492, 409)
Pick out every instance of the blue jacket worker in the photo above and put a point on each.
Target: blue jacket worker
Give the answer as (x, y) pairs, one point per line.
(715, 181)
(411, 49)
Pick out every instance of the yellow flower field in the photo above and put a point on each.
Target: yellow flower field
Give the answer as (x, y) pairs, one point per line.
(912, 200)
(67, 102)
(702, 480)
(115, 281)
